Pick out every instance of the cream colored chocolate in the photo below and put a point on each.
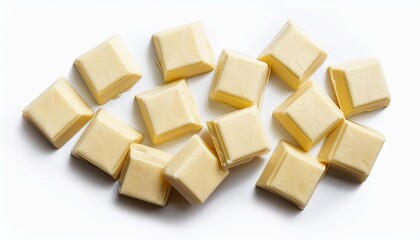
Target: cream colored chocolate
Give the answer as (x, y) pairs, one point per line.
(359, 86)
(141, 176)
(238, 137)
(292, 174)
(352, 148)
(105, 143)
(108, 70)
(292, 56)
(195, 171)
(183, 52)
(169, 111)
(58, 113)
(239, 80)
(308, 115)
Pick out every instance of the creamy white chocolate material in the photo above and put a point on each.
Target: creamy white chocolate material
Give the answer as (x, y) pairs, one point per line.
(308, 115)
(239, 80)
(292, 56)
(58, 113)
(169, 111)
(352, 148)
(239, 137)
(359, 86)
(292, 174)
(195, 171)
(105, 143)
(108, 70)
(142, 177)
(183, 52)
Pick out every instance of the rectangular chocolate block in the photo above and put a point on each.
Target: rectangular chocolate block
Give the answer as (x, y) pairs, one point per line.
(292, 174)
(195, 171)
(183, 52)
(142, 177)
(106, 142)
(58, 113)
(108, 70)
(239, 137)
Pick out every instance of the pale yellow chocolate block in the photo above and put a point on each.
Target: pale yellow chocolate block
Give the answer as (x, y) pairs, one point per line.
(105, 143)
(238, 137)
(292, 174)
(108, 70)
(359, 86)
(308, 115)
(142, 177)
(293, 57)
(195, 171)
(183, 52)
(352, 148)
(169, 111)
(239, 80)
(58, 113)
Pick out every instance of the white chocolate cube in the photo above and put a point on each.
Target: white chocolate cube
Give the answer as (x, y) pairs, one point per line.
(359, 86)
(353, 149)
(239, 80)
(58, 113)
(292, 56)
(169, 111)
(108, 70)
(238, 137)
(105, 143)
(142, 177)
(183, 52)
(308, 115)
(195, 171)
(292, 174)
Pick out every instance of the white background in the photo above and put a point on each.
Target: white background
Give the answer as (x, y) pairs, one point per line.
(47, 194)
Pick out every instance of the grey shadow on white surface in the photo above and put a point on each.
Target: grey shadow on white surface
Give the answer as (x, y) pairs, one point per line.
(89, 172)
(325, 81)
(156, 75)
(217, 109)
(275, 202)
(139, 122)
(340, 180)
(281, 88)
(238, 174)
(79, 84)
(36, 138)
(340, 183)
(281, 132)
(368, 116)
(178, 207)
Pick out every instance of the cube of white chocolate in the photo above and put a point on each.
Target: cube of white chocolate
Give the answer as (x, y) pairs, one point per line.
(58, 113)
(141, 176)
(308, 115)
(195, 171)
(239, 80)
(359, 86)
(169, 111)
(183, 52)
(105, 143)
(108, 70)
(352, 148)
(238, 137)
(292, 174)
(292, 56)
